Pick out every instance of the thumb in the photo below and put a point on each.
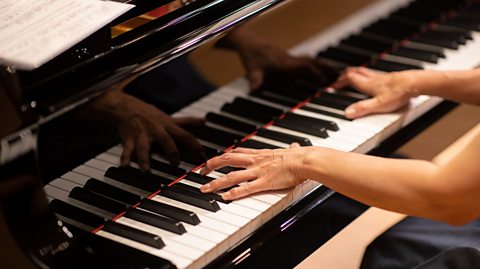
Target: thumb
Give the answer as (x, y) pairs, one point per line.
(362, 108)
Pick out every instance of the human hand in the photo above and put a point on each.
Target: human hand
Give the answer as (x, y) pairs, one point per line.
(265, 170)
(390, 91)
(140, 124)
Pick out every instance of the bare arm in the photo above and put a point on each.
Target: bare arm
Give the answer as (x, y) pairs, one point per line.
(445, 191)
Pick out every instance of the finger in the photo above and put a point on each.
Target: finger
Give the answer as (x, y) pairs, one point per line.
(363, 108)
(294, 145)
(231, 179)
(360, 82)
(189, 122)
(143, 151)
(244, 190)
(167, 144)
(187, 140)
(255, 78)
(227, 159)
(128, 147)
(244, 150)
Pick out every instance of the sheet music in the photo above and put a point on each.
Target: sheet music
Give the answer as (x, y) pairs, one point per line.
(33, 32)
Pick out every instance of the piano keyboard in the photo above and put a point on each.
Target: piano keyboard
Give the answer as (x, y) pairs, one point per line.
(165, 215)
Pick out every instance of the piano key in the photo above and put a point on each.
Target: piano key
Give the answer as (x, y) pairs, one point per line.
(230, 123)
(123, 175)
(254, 144)
(416, 54)
(344, 56)
(228, 169)
(85, 217)
(245, 113)
(389, 66)
(155, 220)
(113, 192)
(178, 261)
(100, 175)
(191, 199)
(134, 234)
(309, 121)
(325, 111)
(188, 188)
(97, 200)
(63, 195)
(170, 211)
(274, 97)
(172, 242)
(285, 138)
(257, 107)
(207, 218)
(217, 136)
(320, 132)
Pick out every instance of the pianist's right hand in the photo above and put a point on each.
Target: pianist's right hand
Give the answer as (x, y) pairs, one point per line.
(140, 124)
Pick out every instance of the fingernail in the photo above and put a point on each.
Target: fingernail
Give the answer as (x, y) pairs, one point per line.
(350, 112)
(205, 188)
(226, 195)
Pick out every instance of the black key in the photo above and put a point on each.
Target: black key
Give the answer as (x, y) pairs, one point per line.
(134, 234)
(319, 132)
(391, 29)
(196, 159)
(328, 101)
(257, 107)
(275, 98)
(230, 123)
(217, 136)
(113, 192)
(133, 177)
(228, 169)
(166, 168)
(245, 113)
(324, 112)
(106, 253)
(200, 179)
(416, 54)
(464, 23)
(285, 138)
(432, 39)
(313, 122)
(75, 213)
(344, 56)
(191, 198)
(391, 66)
(345, 98)
(155, 220)
(289, 92)
(170, 211)
(253, 144)
(358, 41)
(97, 200)
(184, 187)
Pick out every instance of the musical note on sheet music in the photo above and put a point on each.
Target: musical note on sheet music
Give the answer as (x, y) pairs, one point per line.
(33, 32)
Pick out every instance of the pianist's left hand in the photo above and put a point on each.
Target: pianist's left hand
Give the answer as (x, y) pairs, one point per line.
(389, 91)
(265, 170)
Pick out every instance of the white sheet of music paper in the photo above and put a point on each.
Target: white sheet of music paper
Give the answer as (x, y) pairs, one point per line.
(33, 32)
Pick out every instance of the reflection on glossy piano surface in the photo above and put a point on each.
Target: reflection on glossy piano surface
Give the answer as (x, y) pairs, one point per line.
(67, 203)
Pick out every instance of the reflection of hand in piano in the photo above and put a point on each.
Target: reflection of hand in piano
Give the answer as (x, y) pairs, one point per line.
(140, 124)
(260, 56)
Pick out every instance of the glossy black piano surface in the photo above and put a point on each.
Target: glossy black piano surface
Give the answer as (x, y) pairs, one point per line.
(76, 157)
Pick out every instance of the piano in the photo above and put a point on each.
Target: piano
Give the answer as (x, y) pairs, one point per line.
(69, 204)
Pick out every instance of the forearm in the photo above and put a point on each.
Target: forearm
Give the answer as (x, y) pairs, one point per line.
(461, 86)
(407, 186)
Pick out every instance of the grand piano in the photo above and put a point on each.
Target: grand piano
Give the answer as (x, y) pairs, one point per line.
(66, 202)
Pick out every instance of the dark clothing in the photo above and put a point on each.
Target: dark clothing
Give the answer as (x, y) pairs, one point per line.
(421, 243)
